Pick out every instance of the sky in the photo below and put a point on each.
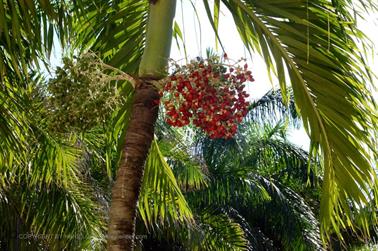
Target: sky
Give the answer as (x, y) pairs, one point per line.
(199, 35)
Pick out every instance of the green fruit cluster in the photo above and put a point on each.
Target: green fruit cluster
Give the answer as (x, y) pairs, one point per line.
(82, 94)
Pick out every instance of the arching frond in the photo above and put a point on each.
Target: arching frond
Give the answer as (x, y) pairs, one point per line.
(286, 208)
(257, 239)
(114, 29)
(242, 175)
(53, 218)
(263, 149)
(189, 171)
(161, 200)
(13, 125)
(47, 202)
(27, 33)
(221, 232)
(310, 41)
(271, 107)
(214, 230)
(276, 157)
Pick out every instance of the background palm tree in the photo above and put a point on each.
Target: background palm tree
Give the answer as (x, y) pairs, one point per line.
(257, 181)
(306, 43)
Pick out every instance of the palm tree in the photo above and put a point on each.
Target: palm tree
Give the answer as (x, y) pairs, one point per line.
(310, 45)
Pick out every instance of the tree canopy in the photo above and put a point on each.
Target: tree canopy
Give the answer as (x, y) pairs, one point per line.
(311, 45)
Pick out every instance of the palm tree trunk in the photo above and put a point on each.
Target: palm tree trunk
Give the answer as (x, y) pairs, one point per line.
(140, 131)
(126, 188)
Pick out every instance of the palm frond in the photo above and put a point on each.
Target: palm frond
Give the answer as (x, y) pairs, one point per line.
(52, 162)
(221, 232)
(215, 229)
(43, 196)
(236, 179)
(28, 29)
(286, 208)
(13, 125)
(328, 75)
(257, 239)
(271, 108)
(48, 201)
(53, 217)
(114, 29)
(177, 146)
(259, 149)
(230, 163)
(189, 172)
(275, 156)
(161, 200)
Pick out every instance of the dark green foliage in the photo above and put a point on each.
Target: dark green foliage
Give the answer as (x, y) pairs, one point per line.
(258, 181)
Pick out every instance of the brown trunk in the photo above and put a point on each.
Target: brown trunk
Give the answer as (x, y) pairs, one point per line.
(125, 191)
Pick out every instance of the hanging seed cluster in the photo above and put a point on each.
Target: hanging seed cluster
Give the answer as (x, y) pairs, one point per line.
(82, 94)
(209, 94)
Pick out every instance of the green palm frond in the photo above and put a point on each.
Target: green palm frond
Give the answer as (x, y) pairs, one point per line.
(365, 218)
(310, 41)
(216, 152)
(215, 229)
(57, 159)
(79, 217)
(257, 239)
(275, 156)
(189, 172)
(177, 146)
(114, 29)
(285, 161)
(48, 200)
(228, 179)
(27, 32)
(161, 200)
(242, 174)
(43, 193)
(252, 151)
(221, 232)
(285, 208)
(17, 105)
(269, 209)
(271, 107)
(225, 188)
(53, 217)
(257, 147)
(13, 125)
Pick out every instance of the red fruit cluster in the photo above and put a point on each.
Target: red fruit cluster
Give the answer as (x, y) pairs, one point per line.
(209, 94)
